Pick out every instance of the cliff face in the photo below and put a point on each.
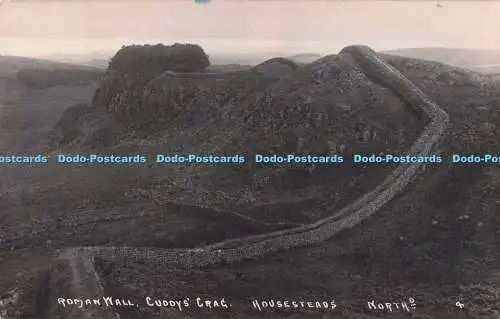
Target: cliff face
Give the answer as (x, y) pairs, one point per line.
(153, 98)
(119, 91)
(134, 66)
(191, 98)
(143, 99)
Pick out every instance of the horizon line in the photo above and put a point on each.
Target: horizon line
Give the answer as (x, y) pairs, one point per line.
(49, 55)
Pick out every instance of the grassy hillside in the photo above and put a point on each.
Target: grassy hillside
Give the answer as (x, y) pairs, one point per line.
(9, 65)
(45, 78)
(436, 243)
(21, 73)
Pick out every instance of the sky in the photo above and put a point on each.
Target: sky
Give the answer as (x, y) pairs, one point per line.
(77, 27)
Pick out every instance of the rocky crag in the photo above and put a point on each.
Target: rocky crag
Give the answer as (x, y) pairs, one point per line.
(134, 66)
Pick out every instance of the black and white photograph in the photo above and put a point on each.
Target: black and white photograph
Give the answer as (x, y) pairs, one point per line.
(219, 159)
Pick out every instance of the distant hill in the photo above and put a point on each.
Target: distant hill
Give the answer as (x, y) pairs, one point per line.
(251, 59)
(98, 63)
(277, 67)
(254, 59)
(12, 64)
(228, 67)
(305, 58)
(24, 72)
(95, 58)
(487, 68)
(100, 59)
(93, 63)
(483, 60)
(31, 78)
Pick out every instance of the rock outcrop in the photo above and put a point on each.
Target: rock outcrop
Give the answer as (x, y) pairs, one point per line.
(134, 66)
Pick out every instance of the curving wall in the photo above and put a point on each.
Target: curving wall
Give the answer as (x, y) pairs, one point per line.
(437, 121)
(255, 246)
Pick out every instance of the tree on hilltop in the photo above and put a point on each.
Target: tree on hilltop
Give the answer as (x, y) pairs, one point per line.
(159, 58)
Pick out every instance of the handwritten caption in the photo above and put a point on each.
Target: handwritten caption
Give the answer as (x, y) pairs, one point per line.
(197, 302)
(180, 304)
(392, 306)
(272, 304)
(222, 303)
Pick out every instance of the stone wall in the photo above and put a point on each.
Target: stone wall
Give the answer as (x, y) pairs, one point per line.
(255, 246)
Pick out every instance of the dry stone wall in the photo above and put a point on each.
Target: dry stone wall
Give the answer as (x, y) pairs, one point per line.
(256, 246)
